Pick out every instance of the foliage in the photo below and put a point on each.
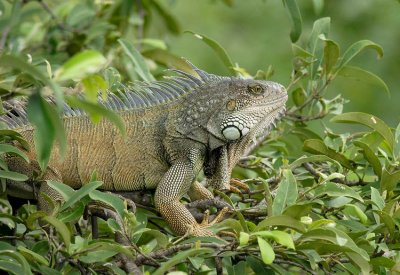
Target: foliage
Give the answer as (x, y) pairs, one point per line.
(334, 209)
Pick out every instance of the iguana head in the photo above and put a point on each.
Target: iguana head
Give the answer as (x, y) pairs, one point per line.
(246, 107)
(220, 110)
(246, 111)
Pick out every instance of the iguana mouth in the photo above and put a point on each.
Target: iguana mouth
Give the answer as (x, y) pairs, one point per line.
(263, 128)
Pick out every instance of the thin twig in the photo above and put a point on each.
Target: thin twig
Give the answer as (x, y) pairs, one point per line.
(59, 24)
(218, 266)
(4, 35)
(301, 118)
(140, 27)
(279, 261)
(162, 254)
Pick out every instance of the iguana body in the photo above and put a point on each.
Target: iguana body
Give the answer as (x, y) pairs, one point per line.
(175, 129)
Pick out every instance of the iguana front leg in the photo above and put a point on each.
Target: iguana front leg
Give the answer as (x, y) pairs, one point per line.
(175, 183)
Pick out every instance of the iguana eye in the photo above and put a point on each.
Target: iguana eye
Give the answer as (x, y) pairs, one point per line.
(231, 105)
(255, 89)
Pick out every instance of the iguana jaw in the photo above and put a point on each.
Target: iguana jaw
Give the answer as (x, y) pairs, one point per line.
(254, 120)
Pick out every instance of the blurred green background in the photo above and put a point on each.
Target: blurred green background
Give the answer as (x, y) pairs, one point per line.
(255, 34)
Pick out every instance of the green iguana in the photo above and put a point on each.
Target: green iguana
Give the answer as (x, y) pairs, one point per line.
(175, 129)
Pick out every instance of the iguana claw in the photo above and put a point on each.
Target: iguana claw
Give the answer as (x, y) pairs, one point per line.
(240, 184)
(200, 230)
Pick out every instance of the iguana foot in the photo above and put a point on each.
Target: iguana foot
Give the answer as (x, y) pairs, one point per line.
(201, 230)
(240, 184)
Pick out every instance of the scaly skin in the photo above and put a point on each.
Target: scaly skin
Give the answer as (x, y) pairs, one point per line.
(207, 128)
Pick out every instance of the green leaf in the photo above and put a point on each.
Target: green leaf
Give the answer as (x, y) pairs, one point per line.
(242, 221)
(389, 181)
(300, 52)
(318, 6)
(16, 62)
(162, 239)
(115, 226)
(280, 237)
(81, 65)
(356, 48)
(331, 54)
(137, 60)
(388, 221)
(243, 238)
(294, 12)
(107, 246)
(155, 43)
(377, 199)
(257, 265)
(113, 79)
(169, 60)
(82, 192)
(32, 256)
(336, 190)
(370, 156)
(267, 253)
(9, 220)
(321, 26)
(286, 194)
(215, 240)
(314, 158)
(16, 136)
(13, 175)
(354, 210)
(65, 191)
(320, 223)
(170, 22)
(15, 15)
(48, 126)
(92, 85)
(370, 121)
(80, 14)
(74, 214)
(110, 199)
(180, 257)
(284, 221)
(316, 146)
(397, 142)
(359, 261)
(300, 209)
(382, 261)
(30, 221)
(96, 109)
(14, 257)
(219, 50)
(97, 256)
(230, 224)
(363, 76)
(6, 148)
(299, 96)
(10, 265)
(335, 236)
(224, 197)
(61, 228)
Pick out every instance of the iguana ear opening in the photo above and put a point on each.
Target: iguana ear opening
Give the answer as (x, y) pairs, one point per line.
(234, 133)
(235, 127)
